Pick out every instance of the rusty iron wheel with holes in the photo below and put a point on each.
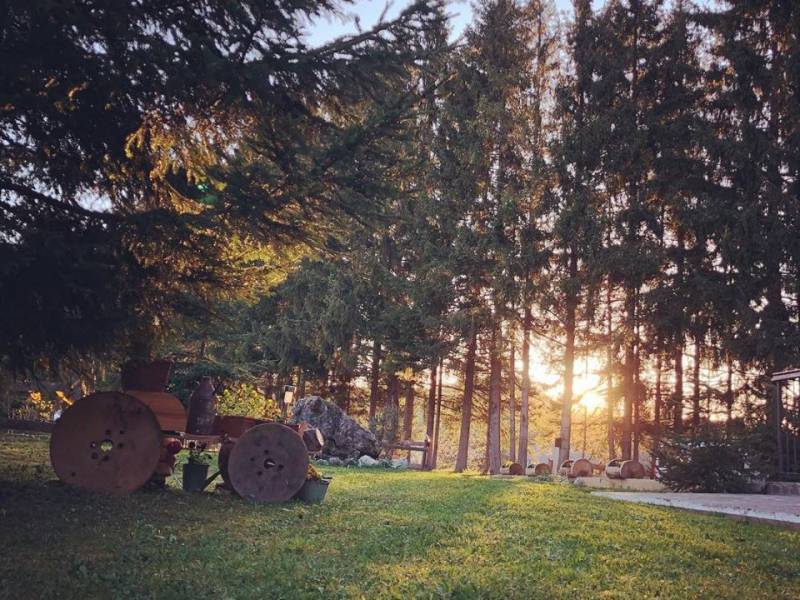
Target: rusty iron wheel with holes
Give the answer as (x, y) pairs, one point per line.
(268, 463)
(106, 442)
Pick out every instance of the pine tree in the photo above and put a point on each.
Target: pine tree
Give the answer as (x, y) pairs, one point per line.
(754, 76)
(484, 152)
(631, 36)
(152, 147)
(576, 235)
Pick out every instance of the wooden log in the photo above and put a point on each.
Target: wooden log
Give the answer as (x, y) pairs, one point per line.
(541, 469)
(581, 468)
(632, 469)
(313, 439)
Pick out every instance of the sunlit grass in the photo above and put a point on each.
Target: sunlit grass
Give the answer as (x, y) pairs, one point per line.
(379, 534)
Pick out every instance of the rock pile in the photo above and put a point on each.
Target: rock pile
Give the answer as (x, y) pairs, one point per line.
(345, 439)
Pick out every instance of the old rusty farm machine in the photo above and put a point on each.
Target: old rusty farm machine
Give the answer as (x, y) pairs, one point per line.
(115, 442)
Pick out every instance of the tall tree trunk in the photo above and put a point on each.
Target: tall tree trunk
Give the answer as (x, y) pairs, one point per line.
(639, 398)
(522, 453)
(657, 407)
(677, 396)
(637, 415)
(729, 396)
(696, 383)
(610, 356)
(431, 413)
(375, 371)
(512, 408)
(495, 385)
(392, 409)
(438, 415)
(408, 412)
(628, 374)
(677, 401)
(466, 405)
(569, 361)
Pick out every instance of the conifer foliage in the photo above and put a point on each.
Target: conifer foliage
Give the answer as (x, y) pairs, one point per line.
(618, 190)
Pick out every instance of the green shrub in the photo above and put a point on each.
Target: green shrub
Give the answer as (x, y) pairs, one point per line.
(244, 400)
(709, 462)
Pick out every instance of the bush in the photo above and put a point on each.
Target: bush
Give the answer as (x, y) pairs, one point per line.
(709, 462)
(244, 400)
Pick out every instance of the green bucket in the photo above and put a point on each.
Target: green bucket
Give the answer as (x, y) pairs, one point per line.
(314, 490)
(194, 477)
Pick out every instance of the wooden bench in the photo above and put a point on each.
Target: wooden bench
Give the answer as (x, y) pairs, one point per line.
(410, 446)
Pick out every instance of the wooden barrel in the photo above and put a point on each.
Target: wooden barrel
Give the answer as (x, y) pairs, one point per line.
(632, 469)
(515, 469)
(541, 469)
(613, 469)
(581, 468)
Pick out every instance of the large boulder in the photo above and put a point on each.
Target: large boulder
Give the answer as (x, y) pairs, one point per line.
(344, 438)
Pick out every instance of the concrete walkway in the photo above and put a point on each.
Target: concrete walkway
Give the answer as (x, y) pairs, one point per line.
(784, 510)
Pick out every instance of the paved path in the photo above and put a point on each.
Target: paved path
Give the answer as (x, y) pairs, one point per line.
(757, 507)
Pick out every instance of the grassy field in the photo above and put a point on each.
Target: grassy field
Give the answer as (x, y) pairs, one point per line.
(379, 535)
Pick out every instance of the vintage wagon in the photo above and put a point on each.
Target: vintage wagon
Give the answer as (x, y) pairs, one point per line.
(116, 442)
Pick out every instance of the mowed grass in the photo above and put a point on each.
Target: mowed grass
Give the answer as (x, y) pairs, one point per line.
(379, 534)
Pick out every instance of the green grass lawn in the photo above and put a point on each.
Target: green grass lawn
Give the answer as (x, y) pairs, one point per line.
(379, 534)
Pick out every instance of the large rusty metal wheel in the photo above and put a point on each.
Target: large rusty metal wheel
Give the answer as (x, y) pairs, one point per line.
(107, 442)
(268, 463)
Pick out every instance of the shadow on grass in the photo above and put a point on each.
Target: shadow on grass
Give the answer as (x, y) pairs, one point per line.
(378, 534)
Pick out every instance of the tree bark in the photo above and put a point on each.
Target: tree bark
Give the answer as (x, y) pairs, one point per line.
(431, 412)
(512, 408)
(729, 396)
(392, 408)
(495, 384)
(628, 382)
(522, 453)
(639, 398)
(438, 416)
(677, 401)
(408, 412)
(696, 384)
(610, 356)
(677, 396)
(657, 407)
(374, 382)
(466, 406)
(569, 361)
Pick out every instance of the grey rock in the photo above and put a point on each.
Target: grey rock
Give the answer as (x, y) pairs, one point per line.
(335, 461)
(368, 461)
(344, 437)
(399, 463)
